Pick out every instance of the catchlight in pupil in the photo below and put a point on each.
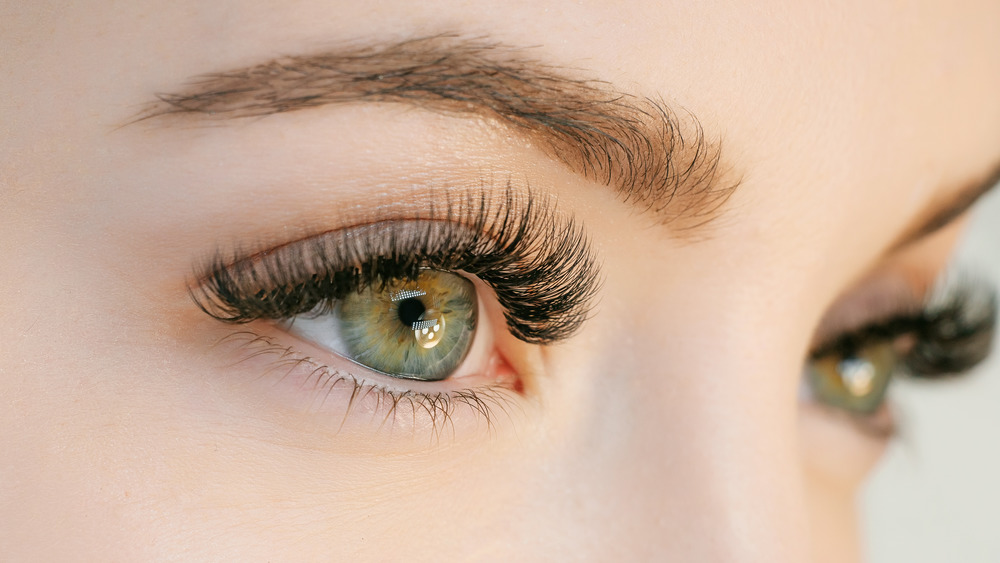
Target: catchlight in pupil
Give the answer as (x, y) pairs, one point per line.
(858, 375)
(855, 382)
(426, 324)
(419, 329)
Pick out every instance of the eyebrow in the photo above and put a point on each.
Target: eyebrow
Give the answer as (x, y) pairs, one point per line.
(943, 214)
(656, 159)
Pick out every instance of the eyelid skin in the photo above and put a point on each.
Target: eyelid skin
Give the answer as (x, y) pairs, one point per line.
(881, 297)
(960, 308)
(537, 261)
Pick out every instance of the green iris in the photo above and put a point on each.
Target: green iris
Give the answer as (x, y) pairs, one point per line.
(856, 382)
(420, 329)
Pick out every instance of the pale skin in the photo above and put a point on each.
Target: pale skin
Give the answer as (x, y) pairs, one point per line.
(668, 427)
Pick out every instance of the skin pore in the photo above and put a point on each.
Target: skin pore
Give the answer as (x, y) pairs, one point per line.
(838, 141)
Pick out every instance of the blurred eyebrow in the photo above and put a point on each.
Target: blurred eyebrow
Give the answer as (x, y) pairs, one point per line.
(941, 214)
(655, 159)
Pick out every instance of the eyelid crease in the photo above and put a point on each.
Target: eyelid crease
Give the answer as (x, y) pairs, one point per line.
(537, 261)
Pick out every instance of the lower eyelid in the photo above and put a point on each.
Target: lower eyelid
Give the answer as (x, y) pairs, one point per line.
(348, 399)
(880, 424)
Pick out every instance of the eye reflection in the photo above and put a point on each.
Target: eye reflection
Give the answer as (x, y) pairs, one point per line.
(856, 381)
(858, 375)
(412, 312)
(420, 329)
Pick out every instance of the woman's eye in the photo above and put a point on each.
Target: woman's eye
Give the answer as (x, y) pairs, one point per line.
(420, 329)
(857, 381)
(947, 334)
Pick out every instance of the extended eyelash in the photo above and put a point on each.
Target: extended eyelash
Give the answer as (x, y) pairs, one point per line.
(538, 262)
(952, 332)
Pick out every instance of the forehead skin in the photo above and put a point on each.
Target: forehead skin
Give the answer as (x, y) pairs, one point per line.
(823, 97)
(845, 120)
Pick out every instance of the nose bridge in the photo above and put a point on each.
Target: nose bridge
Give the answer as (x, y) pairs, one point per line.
(693, 455)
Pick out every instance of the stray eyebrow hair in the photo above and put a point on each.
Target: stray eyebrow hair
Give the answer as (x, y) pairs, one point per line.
(655, 159)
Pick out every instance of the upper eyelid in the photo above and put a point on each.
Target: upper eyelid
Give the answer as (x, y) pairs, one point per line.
(879, 300)
(537, 260)
(481, 206)
(958, 299)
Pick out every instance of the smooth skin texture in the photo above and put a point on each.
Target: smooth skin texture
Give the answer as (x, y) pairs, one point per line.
(668, 428)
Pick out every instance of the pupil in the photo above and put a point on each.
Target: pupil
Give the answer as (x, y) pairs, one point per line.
(410, 311)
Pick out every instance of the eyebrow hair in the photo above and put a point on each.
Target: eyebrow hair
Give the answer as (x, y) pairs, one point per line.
(655, 159)
(943, 214)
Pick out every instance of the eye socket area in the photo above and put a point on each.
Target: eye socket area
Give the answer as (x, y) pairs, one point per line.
(885, 329)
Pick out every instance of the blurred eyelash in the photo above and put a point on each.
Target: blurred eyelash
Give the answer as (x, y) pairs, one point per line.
(951, 332)
(538, 262)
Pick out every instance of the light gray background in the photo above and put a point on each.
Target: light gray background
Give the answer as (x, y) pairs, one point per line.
(936, 495)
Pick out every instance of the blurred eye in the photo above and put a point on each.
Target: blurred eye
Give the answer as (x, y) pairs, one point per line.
(420, 329)
(855, 382)
(947, 334)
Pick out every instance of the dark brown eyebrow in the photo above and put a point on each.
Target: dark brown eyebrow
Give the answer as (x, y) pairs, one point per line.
(941, 215)
(656, 159)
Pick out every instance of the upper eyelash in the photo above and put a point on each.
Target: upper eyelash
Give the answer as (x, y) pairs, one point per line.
(953, 331)
(538, 262)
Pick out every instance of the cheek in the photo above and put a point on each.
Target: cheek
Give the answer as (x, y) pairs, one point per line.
(836, 451)
(836, 458)
(833, 525)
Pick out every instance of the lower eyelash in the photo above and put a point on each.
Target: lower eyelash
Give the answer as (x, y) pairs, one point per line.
(435, 410)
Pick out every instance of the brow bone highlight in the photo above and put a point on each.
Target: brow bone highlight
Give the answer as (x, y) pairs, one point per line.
(651, 157)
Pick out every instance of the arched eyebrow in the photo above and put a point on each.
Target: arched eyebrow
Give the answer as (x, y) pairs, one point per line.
(941, 214)
(656, 159)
